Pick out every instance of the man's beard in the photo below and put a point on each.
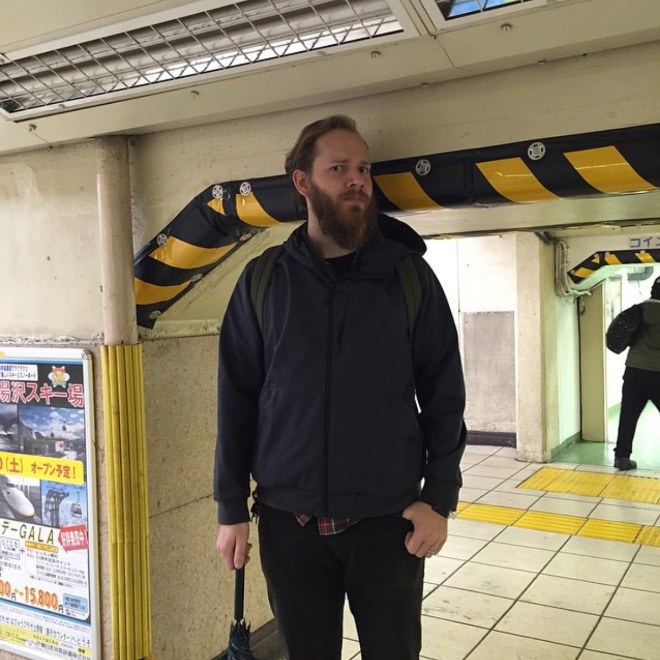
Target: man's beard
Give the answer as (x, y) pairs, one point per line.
(348, 226)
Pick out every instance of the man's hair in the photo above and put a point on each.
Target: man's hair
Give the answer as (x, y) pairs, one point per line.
(655, 289)
(303, 152)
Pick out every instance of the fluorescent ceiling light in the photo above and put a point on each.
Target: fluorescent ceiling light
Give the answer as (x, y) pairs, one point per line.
(212, 41)
(458, 8)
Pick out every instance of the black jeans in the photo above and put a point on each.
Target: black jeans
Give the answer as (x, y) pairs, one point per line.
(639, 387)
(309, 575)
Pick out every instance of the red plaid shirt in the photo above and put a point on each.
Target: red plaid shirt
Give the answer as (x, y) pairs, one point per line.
(327, 526)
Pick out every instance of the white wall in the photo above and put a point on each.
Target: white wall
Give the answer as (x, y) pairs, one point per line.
(568, 368)
(442, 256)
(478, 275)
(487, 273)
(50, 244)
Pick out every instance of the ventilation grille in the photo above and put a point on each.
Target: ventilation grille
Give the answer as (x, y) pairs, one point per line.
(457, 8)
(235, 35)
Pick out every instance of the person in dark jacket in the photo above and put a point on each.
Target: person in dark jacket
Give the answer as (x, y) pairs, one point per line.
(641, 379)
(352, 429)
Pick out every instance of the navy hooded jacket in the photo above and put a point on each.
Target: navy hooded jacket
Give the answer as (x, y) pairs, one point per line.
(322, 408)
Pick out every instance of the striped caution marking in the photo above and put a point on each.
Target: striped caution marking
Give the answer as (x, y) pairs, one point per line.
(605, 169)
(217, 205)
(180, 254)
(615, 258)
(148, 294)
(404, 192)
(621, 487)
(512, 179)
(250, 211)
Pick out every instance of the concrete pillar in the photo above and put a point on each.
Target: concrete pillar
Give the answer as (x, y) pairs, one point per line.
(535, 348)
(115, 226)
(123, 413)
(593, 389)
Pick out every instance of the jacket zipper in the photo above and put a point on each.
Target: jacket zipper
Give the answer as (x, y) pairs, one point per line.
(326, 421)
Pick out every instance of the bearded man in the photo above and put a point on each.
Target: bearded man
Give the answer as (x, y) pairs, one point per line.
(350, 422)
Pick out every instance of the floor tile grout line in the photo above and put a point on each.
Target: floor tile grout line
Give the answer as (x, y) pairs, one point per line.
(619, 618)
(547, 641)
(472, 591)
(609, 602)
(536, 639)
(489, 542)
(561, 549)
(537, 574)
(435, 588)
(540, 572)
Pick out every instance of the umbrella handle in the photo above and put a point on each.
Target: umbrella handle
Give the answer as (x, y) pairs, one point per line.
(239, 594)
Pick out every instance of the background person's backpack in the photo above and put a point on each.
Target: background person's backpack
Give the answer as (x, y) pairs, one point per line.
(405, 270)
(621, 333)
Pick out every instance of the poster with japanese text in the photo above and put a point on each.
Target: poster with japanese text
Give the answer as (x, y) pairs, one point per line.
(48, 588)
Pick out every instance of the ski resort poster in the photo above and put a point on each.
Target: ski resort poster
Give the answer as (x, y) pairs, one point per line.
(48, 576)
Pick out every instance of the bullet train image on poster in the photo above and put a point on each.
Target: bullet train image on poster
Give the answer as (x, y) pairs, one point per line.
(16, 498)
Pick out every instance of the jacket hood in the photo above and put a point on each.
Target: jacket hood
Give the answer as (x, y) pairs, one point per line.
(400, 232)
(390, 241)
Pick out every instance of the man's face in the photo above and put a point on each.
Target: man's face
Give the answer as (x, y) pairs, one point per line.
(340, 190)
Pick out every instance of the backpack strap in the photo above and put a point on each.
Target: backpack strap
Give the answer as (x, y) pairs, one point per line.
(260, 280)
(412, 290)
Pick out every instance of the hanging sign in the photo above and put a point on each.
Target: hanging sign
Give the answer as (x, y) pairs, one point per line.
(48, 537)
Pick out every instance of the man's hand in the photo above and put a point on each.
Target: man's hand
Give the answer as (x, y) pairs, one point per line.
(233, 546)
(430, 531)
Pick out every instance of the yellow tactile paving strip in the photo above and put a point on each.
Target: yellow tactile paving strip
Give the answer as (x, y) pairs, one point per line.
(631, 489)
(551, 522)
(620, 487)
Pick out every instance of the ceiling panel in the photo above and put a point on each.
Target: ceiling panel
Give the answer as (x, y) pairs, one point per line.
(538, 30)
(31, 22)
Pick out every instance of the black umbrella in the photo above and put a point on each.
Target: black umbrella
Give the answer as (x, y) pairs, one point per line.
(239, 633)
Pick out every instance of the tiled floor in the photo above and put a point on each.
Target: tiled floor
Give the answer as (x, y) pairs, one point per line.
(502, 593)
(645, 446)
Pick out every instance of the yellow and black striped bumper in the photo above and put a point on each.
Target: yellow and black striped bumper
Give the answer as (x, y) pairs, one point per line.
(216, 222)
(614, 258)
